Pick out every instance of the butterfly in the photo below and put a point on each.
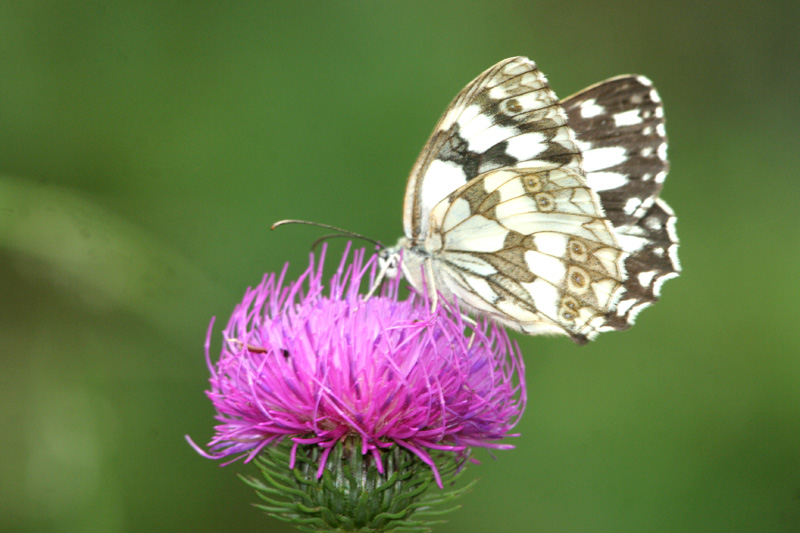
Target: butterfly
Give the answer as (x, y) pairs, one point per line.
(542, 214)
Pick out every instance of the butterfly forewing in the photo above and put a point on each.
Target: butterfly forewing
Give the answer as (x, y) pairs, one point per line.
(508, 116)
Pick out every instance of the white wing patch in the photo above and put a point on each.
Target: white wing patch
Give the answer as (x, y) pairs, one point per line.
(526, 146)
(549, 268)
(603, 181)
(603, 158)
(475, 234)
(590, 109)
(448, 177)
(627, 118)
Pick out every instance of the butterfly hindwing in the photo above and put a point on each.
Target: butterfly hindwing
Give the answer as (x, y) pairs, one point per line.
(530, 248)
(619, 125)
(653, 245)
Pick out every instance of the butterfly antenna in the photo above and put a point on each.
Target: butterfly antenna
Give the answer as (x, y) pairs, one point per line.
(340, 232)
(325, 238)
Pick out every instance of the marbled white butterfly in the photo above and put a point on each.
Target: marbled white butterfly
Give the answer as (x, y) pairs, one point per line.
(543, 214)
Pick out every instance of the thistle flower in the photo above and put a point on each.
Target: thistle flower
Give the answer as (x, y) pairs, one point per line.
(360, 392)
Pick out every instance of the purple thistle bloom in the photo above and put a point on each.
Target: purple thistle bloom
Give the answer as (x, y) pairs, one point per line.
(319, 366)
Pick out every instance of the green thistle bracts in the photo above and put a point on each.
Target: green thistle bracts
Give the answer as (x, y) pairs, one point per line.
(351, 494)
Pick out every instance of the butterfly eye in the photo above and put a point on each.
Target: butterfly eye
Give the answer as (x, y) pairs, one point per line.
(545, 202)
(389, 263)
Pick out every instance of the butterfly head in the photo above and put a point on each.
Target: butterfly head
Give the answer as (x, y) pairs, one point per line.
(389, 261)
(404, 259)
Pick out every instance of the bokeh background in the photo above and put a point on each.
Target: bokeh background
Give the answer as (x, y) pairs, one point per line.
(146, 147)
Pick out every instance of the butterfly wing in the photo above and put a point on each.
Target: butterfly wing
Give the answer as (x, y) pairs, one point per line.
(619, 125)
(507, 117)
(587, 261)
(531, 248)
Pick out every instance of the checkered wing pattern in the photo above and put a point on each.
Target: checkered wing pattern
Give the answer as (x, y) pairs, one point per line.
(543, 214)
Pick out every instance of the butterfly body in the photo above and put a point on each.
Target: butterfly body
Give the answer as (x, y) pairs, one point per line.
(542, 214)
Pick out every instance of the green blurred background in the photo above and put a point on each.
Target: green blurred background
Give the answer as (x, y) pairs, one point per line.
(146, 147)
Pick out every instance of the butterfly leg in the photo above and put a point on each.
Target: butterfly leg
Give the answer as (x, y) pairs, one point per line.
(472, 323)
(432, 292)
(376, 284)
